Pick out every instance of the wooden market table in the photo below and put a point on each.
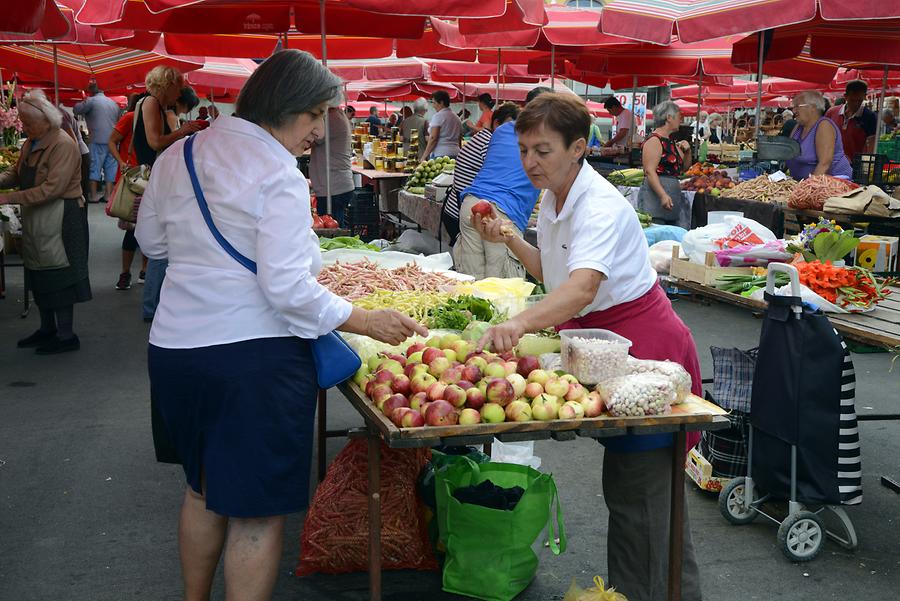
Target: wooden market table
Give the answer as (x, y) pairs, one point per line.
(385, 183)
(695, 414)
(880, 327)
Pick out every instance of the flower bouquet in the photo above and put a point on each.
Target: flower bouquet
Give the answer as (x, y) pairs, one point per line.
(823, 241)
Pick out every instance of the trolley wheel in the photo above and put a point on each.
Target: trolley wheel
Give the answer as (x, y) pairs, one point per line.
(801, 536)
(733, 505)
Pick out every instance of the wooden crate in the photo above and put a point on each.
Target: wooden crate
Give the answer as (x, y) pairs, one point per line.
(706, 274)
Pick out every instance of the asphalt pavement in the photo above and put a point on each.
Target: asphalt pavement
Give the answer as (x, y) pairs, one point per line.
(86, 514)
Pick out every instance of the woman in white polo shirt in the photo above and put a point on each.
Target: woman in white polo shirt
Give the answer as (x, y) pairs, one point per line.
(231, 370)
(594, 263)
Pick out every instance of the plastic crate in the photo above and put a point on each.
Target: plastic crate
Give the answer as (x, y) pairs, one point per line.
(890, 148)
(362, 216)
(876, 169)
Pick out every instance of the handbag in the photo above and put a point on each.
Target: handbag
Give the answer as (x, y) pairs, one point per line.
(126, 198)
(335, 361)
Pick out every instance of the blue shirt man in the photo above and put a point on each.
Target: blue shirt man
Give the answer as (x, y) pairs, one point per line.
(101, 114)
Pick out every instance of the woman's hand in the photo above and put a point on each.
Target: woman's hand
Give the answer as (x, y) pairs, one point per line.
(190, 127)
(666, 201)
(392, 326)
(502, 337)
(493, 229)
(684, 146)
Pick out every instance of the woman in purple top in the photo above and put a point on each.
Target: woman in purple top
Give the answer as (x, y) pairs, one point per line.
(821, 148)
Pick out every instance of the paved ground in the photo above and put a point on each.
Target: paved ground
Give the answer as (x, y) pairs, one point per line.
(87, 515)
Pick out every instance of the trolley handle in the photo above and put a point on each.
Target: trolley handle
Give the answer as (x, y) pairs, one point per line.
(795, 282)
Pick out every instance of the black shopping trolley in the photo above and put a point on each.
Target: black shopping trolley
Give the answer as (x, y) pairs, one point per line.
(803, 441)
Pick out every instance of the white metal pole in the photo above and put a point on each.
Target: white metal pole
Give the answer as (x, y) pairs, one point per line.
(632, 131)
(498, 76)
(699, 100)
(759, 76)
(56, 74)
(878, 126)
(327, 112)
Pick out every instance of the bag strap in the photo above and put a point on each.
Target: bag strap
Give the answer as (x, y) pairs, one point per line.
(555, 547)
(138, 107)
(204, 209)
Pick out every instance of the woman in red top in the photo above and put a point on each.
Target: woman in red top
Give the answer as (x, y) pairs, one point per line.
(664, 160)
(120, 148)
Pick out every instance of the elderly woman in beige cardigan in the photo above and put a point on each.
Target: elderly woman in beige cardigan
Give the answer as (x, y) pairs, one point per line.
(54, 228)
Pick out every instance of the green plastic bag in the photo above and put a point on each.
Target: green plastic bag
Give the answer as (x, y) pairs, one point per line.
(489, 554)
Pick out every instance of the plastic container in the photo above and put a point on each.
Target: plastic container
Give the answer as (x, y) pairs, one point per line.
(593, 355)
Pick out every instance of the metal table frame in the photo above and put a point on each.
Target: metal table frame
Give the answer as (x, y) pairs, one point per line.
(378, 427)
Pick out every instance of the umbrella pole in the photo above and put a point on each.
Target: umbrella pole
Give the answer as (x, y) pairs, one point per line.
(497, 94)
(55, 74)
(630, 142)
(553, 68)
(699, 100)
(878, 126)
(759, 77)
(327, 112)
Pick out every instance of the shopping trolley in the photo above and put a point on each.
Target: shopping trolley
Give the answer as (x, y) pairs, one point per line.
(803, 442)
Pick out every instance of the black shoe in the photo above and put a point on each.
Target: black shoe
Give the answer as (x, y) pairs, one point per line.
(37, 339)
(148, 320)
(124, 282)
(57, 346)
(141, 277)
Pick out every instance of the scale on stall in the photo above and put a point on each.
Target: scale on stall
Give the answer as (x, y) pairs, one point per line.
(770, 154)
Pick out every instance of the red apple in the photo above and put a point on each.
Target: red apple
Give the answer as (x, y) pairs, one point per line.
(384, 376)
(533, 390)
(526, 365)
(417, 400)
(471, 373)
(392, 365)
(438, 366)
(412, 419)
(510, 367)
(400, 384)
(381, 393)
(370, 384)
(483, 209)
(475, 398)
(494, 370)
(455, 395)
(450, 354)
(432, 353)
(571, 410)
(569, 378)
(477, 361)
(576, 392)
(461, 348)
(518, 411)
(415, 358)
(592, 404)
(436, 391)
(469, 416)
(441, 413)
(500, 391)
(465, 384)
(397, 414)
(401, 359)
(452, 375)
(421, 382)
(518, 384)
(415, 347)
(412, 369)
(493, 413)
(508, 356)
(394, 401)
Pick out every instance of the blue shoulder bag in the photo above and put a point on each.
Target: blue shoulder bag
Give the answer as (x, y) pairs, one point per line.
(334, 359)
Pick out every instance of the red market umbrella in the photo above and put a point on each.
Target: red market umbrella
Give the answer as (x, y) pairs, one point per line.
(513, 92)
(363, 106)
(656, 21)
(383, 69)
(246, 17)
(219, 77)
(531, 9)
(78, 64)
(39, 19)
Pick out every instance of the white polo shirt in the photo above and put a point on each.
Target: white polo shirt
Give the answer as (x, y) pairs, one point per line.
(597, 229)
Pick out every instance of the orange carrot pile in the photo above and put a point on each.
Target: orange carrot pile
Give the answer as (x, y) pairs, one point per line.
(851, 288)
(812, 192)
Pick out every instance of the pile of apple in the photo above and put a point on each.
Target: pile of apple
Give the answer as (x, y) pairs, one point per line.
(443, 382)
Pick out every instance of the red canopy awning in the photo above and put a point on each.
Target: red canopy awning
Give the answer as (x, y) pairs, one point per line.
(41, 19)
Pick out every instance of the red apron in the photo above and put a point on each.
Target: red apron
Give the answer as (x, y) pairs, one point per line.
(656, 333)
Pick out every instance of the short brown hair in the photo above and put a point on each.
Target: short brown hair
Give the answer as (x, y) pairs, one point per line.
(565, 114)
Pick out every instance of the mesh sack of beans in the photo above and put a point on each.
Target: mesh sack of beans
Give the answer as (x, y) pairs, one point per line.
(637, 394)
(676, 374)
(335, 537)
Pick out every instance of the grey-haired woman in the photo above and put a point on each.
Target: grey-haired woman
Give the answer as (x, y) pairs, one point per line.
(231, 369)
(55, 233)
(664, 160)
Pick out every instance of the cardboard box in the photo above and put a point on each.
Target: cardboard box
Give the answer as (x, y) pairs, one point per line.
(877, 253)
(707, 274)
(700, 471)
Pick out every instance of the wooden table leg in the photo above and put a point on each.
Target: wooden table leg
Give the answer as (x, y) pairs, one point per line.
(321, 433)
(676, 517)
(374, 516)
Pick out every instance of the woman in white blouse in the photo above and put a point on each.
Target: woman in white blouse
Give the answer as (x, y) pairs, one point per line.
(230, 365)
(593, 260)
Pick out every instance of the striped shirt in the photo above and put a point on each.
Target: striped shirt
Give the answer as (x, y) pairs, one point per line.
(468, 164)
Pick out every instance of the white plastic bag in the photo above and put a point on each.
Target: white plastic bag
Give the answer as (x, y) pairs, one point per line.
(661, 255)
(520, 453)
(735, 231)
(807, 295)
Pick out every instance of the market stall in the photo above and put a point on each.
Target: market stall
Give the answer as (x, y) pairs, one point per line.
(422, 211)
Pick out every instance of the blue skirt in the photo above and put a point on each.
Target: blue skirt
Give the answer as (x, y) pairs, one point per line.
(240, 416)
